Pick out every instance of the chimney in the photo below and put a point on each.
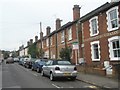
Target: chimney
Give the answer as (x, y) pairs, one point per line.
(76, 12)
(31, 41)
(48, 30)
(28, 43)
(36, 38)
(58, 23)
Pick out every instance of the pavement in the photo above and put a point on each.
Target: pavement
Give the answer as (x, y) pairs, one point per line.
(99, 81)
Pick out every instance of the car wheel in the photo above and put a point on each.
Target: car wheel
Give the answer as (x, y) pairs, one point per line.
(42, 73)
(73, 78)
(52, 77)
(38, 70)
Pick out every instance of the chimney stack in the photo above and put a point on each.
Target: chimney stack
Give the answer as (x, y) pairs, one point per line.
(36, 38)
(58, 23)
(31, 41)
(76, 12)
(28, 43)
(48, 30)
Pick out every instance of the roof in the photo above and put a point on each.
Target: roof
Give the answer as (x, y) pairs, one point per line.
(99, 10)
(63, 27)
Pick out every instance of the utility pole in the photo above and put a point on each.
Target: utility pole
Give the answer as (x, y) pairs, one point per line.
(40, 27)
(41, 35)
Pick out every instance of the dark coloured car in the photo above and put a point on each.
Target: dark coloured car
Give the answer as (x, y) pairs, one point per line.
(9, 60)
(38, 64)
(28, 63)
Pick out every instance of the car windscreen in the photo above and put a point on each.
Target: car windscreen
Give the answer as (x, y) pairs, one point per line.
(63, 63)
(42, 62)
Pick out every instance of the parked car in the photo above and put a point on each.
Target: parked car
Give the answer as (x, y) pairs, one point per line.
(21, 61)
(9, 60)
(28, 63)
(38, 64)
(59, 68)
(16, 59)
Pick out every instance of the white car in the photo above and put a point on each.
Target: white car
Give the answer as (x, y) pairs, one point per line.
(59, 68)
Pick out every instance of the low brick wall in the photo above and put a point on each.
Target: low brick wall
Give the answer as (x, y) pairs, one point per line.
(91, 70)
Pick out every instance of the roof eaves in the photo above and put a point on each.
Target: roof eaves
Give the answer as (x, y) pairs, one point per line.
(95, 12)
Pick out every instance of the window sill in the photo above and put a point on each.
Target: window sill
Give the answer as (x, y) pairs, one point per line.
(113, 29)
(114, 59)
(95, 60)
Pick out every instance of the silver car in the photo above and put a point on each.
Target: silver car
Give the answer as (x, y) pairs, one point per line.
(59, 68)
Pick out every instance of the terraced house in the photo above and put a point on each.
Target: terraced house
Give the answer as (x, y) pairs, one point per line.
(101, 36)
(94, 38)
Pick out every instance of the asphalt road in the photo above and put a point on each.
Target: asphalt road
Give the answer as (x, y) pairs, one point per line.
(16, 76)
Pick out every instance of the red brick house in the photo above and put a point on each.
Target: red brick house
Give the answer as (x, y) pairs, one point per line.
(101, 35)
(64, 36)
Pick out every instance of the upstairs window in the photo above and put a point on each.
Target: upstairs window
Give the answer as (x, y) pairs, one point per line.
(94, 26)
(62, 37)
(51, 41)
(47, 42)
(70, 34)
(112, 18)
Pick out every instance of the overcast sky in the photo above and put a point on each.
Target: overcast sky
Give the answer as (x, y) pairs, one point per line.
(19, 19)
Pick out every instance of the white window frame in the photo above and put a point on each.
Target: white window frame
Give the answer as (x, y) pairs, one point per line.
(62, 37)
(70, 34)
(111, 55)
(92, 50)
(47, 42)
(91, 28)
(51, 41)
(109, 28)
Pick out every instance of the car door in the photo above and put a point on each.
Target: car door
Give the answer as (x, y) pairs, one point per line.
(47, 67)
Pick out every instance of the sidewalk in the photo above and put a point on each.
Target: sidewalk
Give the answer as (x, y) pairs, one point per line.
(100, 81)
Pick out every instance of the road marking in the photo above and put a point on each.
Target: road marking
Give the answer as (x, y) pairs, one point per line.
(90, 86)
(56, 86)
(71, 87)
(35, 74)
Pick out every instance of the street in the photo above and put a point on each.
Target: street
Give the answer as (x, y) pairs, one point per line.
(16, 76)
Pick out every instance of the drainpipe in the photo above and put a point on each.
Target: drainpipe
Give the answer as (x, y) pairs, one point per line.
(79, 38)
(56, 47)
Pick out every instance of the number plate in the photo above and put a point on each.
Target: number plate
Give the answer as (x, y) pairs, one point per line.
(67, 74)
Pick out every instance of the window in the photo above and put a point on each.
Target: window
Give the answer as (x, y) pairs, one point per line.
(95, 51)
(69, 34)
(62, 36)
(47, 42)
(94, 26)
(51, 41)
(112, 17)
(114, 48)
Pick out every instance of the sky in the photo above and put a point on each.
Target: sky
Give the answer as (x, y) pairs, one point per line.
(20, 19)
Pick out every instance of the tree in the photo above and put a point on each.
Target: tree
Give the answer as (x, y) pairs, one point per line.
(40, 53)
(35, 52)
(5, 54)
(32, 50)
(65, 53)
